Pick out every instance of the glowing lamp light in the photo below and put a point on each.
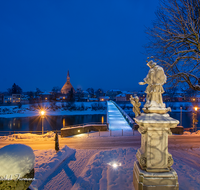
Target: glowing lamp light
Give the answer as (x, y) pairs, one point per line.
(115, 164)
(78, 131)
(195, 108)
(42, 112)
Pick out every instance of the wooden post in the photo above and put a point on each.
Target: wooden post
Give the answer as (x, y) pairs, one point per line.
(122, 132)
(88, 132)
(99, 132)
(110, 132)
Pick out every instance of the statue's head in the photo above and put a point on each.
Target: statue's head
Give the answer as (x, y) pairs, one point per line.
(136, 98)
(151, 64)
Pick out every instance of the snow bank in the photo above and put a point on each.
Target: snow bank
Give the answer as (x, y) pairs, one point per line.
(47, 136)
(46, 163)
(30, 111)
(16, 160)
(197, 133)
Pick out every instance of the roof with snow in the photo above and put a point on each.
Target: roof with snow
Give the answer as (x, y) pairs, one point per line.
(121, 95)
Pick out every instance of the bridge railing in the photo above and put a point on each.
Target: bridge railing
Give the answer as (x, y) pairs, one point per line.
(125, 115)
(84, 124)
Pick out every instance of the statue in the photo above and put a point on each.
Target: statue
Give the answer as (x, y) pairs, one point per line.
(136, 105)
(155, 79)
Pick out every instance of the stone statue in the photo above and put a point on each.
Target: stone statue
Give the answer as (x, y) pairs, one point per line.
(155, 79)
(136, 105)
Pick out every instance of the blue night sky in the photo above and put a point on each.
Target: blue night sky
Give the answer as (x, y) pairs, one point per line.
(99, 41)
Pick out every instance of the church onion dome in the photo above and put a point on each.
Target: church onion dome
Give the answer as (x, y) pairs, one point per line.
(67, 86)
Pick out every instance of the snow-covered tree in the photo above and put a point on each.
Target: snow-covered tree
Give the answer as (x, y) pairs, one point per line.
(174, 41)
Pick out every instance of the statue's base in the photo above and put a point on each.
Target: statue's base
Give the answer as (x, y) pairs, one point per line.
(156, 110)
(143, 180)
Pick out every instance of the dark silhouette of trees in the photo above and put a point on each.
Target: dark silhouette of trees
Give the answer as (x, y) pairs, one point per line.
(56, 89)
(99, 93)
(15, 89)
(91, 92)
(79, 94)
(38, 92)
(71, 95)
(174, 41)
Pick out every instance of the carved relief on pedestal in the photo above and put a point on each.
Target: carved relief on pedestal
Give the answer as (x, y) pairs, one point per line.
(142, 159)
(170, 160)
(143, 162)
(142, 130)
(169, 132)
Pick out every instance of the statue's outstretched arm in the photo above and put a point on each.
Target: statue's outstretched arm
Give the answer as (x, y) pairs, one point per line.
(142, 83)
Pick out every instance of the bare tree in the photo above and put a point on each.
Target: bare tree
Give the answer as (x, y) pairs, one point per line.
(174, 41)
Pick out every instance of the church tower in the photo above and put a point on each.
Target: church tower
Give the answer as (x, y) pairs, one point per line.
(67, 86)
(68, 77)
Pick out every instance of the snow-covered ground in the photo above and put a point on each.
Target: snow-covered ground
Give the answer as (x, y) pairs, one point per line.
(29, 111)
(92, 169)
(83, 169)
(28, 136)
(46, 162)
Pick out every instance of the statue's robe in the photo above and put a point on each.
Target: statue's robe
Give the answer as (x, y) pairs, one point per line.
(155, 79)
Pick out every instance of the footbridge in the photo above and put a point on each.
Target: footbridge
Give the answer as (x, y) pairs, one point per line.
(117, 119)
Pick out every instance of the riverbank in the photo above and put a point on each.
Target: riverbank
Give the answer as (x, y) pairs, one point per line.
(175, 106)
(59, 108)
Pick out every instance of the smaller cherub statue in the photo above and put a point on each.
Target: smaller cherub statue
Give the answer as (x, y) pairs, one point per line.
(136, 105)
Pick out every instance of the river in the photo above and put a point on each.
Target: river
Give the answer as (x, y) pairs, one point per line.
(49, 122)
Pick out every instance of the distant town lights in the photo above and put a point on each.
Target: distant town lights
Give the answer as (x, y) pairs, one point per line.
(195, 108)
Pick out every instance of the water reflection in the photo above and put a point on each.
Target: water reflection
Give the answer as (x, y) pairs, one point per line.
(50, 122)
(186, 118)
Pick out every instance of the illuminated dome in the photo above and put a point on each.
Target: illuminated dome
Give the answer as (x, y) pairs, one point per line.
(67, 86)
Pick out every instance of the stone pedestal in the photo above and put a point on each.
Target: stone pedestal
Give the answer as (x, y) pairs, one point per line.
(154, 162)
(143, 180)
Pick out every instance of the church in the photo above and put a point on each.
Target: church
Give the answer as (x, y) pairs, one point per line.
(67, 86)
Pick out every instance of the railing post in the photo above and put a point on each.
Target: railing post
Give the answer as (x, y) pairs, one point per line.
(88, 132)
(99, 132)
(110, 132)
(122, 132)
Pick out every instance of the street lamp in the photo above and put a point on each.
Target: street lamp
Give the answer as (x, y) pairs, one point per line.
(181, 117)
(194, 118)
(42, 115)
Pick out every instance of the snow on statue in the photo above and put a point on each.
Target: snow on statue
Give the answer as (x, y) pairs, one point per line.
(155, 79)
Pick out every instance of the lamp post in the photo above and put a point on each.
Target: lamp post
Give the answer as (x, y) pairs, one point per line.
(194, 118)
(181, 117)
(42, 115)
